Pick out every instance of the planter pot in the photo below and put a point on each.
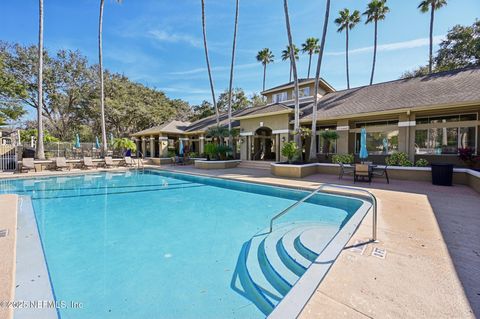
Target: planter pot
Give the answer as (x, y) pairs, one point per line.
(203, 164)
(293, 170)
(442, 174)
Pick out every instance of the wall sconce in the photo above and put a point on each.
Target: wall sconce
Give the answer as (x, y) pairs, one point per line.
(283, 139)
(242, 140)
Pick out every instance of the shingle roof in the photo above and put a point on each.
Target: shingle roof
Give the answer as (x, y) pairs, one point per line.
(167, 127)
(452, 87)
(300, 81)
(258, 110)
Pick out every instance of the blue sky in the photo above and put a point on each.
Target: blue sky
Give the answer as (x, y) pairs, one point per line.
(159, 42)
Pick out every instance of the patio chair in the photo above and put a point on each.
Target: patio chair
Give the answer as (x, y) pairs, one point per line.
(362, 171)
(61, 164)
(28, 164)
(346, 170)
(109, 162)
(88, 163)
(177, 160)
(128, 161)
(381, 171)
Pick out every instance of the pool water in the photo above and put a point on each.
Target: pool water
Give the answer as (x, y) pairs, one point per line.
(155, 244)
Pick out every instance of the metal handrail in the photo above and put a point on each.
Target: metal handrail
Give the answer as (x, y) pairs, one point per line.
(140, 160)
(368, 193)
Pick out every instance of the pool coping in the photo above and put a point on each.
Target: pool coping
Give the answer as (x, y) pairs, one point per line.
(32, 284)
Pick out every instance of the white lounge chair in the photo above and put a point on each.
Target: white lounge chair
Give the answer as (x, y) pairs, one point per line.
(109, 162)
(88, 162)
(61, 164)
(28, 164)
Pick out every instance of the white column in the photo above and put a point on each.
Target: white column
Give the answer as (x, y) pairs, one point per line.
(144, 146)
(152, 146)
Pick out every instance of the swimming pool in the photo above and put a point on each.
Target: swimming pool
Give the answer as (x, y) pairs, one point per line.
(155, 244)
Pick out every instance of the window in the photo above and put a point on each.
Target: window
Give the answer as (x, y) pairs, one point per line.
(446, 118)
(279, 97)
(379, 143)
(444, 140)
(303, 92)
(376, 123)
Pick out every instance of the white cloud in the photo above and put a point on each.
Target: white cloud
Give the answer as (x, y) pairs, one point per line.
(218, 68)
(185, 90)
(393, 46)
(164, 36)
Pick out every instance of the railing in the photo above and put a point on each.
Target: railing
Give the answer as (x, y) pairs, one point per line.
(8, 158)
(140, 160)
(321, 188)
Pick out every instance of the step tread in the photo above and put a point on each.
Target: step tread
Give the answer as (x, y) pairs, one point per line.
(270, 293)
(288, 243)
(273, 257)
(316, 241)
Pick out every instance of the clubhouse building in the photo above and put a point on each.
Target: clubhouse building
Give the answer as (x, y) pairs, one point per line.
(427, 117)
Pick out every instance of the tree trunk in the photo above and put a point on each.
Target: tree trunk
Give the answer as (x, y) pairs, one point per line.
(313, 139)
(264, 74)
(230, 136)
(102, 92)
(208, 63)
(309, 64)
(296, 126)
(290, 78)
(374, 52)
(346, 58)
(430, 55)
(40, 153)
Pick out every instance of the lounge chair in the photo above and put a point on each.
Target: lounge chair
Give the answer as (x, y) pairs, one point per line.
(61, 164)
(28, 164)
(346, 170)
(381, 171)
(362, 171)
(88, 162)
(109, 162)
(128, 161)
(177, 160)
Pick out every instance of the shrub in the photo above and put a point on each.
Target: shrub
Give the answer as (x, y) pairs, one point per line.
(422, 163)
(210, 150)
(342, 159)
(223, 150)
(192, 154)
(398, 159)
(124, 144)
(290, 150)
(171, 153)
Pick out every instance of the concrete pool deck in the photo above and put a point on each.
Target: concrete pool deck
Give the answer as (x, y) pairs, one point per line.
(431, 236)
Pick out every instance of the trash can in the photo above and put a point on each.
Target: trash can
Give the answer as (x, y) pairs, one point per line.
(442, 174)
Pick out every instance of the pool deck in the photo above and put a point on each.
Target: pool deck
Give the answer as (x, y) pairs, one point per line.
(431, 236)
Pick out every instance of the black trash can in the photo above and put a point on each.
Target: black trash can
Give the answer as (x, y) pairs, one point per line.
(442, 174)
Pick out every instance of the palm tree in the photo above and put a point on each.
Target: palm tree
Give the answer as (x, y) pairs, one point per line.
(424, 7)
(310, 46)
(265, 56)
(286, 56)
(313, 139)
(376, 10)
(347, 21)
(100, 66)
(293, 65)
(230, 137)
(208, 64)
(40, 152)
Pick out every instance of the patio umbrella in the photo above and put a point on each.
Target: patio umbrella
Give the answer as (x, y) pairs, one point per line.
(77, 141)
(180, 148)
(363, 144)
(97, 142)
(111, 138)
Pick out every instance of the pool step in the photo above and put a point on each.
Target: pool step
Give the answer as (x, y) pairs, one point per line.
(273, 262)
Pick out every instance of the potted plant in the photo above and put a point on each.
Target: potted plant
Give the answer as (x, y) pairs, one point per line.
(210, 151)
(124, 144)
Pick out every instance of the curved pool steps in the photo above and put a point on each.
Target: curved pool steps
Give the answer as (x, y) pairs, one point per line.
(273, 262)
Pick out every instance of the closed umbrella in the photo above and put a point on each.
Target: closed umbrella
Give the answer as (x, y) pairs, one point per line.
(77, 141)
(363, 144)
(180, 148)
(111, 138)
(97, 142)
